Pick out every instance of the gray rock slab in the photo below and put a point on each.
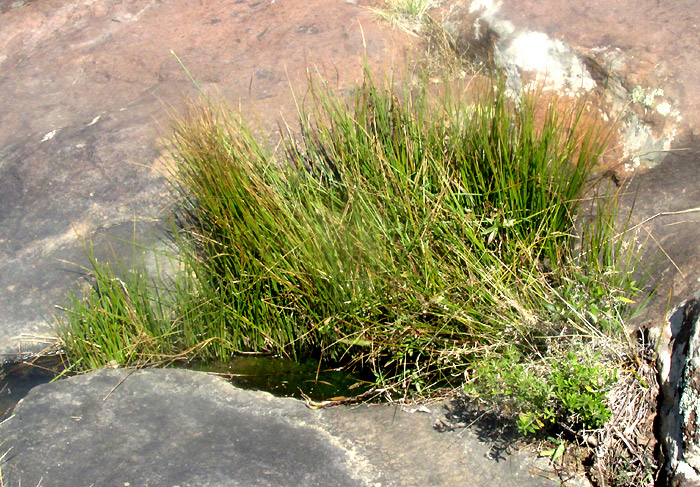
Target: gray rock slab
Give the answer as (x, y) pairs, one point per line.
(166, 428)
(405, 447)
(182, 428)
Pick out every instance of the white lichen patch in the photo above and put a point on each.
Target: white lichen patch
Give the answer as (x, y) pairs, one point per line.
(49, 136)
(648, 98)
(634, 163)
(486, 7)
(663, 108)
(533, 51)
(555, 64)
(645, 97)
(477, 29)
(488, 11)
(642, 147)
(94, 121)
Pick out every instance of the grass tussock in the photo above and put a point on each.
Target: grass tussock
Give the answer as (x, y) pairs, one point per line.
(408, 15)
(432, 240)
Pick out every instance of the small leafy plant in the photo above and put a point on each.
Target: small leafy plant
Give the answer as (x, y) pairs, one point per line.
(571, 392)
(580, 388)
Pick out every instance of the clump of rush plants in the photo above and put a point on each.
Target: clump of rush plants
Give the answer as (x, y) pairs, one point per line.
(414, 17)
(404, 12)
(433, 238)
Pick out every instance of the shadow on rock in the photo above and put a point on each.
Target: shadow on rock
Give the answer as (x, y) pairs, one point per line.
(488, 425)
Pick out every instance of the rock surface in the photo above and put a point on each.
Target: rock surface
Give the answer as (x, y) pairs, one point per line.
(117, 428)
(678, 344)
(648, 119)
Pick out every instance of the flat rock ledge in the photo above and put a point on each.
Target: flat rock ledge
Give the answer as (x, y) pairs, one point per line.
(182, 428)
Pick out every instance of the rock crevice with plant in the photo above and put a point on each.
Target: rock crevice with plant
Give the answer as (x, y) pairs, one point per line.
(434, 237)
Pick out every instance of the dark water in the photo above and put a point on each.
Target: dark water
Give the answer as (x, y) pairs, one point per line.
(286, 378)
(16, 380)
(279, 376)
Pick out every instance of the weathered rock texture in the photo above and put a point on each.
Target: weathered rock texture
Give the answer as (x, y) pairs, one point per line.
(515, 40)
(175, 427)
(657, 43)
(678, 345)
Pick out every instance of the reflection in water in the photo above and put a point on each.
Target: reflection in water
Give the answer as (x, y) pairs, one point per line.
(287, 378)
(279, 376)
(16, 380)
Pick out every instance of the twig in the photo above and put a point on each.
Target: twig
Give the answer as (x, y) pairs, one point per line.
(311, 404)
(118, 384)
(634, 452)
(624, 440)
(665, 253)
(600, 470)
(665, 213)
